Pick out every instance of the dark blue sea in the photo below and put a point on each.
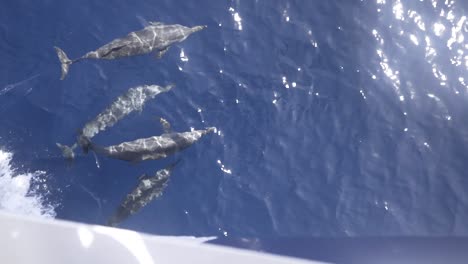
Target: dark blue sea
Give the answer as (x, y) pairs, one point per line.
(334, 118)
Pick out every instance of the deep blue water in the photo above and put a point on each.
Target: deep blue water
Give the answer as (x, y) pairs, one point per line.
(336, 118)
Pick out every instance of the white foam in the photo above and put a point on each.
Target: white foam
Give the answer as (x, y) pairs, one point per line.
(17, 193)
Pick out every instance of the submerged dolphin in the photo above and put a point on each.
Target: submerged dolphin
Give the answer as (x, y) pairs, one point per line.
(134, 99)
(156, 37)
(148, 188)
(152, 148)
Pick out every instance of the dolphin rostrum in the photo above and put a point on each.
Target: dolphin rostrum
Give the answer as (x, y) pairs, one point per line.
(134, 99)
(156, 37)
(148, 188)
(152, 148)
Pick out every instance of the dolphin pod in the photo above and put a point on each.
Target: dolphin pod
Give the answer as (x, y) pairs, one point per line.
(156, 37)
(148, 188)
(133, 100)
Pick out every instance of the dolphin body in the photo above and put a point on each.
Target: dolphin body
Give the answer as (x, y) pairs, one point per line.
(148, 188)
(134, 99)
(152, 148)
(156, 37)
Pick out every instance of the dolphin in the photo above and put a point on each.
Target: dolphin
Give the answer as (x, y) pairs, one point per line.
(134, 99)
(151, 148)
(155, 37)
(148, 188)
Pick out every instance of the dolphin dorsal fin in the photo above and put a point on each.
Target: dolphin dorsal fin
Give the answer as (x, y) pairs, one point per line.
(154, 23)
(166, 125)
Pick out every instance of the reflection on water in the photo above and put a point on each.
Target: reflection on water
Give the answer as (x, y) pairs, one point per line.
(449, 27)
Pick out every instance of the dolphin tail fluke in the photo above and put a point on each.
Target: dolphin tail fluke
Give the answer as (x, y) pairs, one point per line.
(64, 60)
(67, 152)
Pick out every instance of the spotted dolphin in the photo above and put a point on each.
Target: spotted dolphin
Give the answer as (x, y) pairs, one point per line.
(133, 100)
(148, 188)
(152, 148)
(156, 37)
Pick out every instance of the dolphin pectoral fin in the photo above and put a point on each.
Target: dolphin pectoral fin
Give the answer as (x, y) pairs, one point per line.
(154, 23)
(161, 53)
(166, 125)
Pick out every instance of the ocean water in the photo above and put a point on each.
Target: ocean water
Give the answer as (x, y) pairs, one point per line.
(334, 118)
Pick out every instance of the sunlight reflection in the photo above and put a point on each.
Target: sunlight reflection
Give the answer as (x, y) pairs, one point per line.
(450, 27)
(388, 71)
(182, 55)
(377, 37)
(285, 82)
(276, 97)
(312, 41)
(362, 94)
(223, 168)
(457, 34)
(414, 39)
(236, 17)
(417, 19)
(438, 73)
(285, 15)
(439, 29)
(430, 51)
(398, 10)
(86, 236)
(433, 96)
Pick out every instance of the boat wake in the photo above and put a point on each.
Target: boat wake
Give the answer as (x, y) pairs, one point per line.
(23, 193)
